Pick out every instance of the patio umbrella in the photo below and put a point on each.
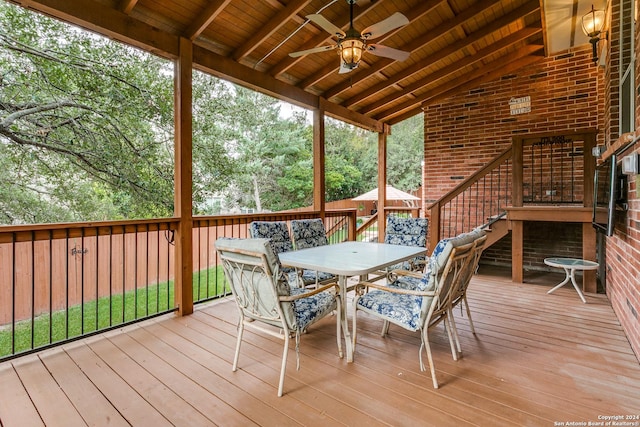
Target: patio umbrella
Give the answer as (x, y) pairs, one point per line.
(392, 194)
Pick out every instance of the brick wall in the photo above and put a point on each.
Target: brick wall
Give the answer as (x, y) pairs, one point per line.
(541, 240)
(623, 248)
(465, 132)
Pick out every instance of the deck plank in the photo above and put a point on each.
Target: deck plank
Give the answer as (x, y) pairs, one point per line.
(53, 405)
(536, 359)
(15, 405)
(133, 407)
(82, 392)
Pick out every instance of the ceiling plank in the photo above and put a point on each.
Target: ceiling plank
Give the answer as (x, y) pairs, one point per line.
(318, 40)
(442, 53)
(109, 22)
(126, 6)
(499, 71)
(501, 66)
(452, 68)
(267, 30)
(205, 18)
(228, 69)
(416, 44)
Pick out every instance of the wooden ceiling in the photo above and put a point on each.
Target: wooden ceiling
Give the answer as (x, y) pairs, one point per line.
(455, 45)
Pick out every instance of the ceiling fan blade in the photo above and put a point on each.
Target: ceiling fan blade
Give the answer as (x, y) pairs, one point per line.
(312, 50)
(388, 52)
(324, 23)
(391, 23)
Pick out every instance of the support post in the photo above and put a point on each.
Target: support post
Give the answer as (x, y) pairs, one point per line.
(517, 227)
(183, 178)
(382, 182)
(319, 186)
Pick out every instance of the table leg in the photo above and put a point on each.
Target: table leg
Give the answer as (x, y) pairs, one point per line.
(570, 275)
(342, 281)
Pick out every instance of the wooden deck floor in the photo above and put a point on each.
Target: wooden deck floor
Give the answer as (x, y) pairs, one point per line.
(537, 360)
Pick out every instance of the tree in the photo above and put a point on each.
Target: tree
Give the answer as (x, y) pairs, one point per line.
(268, 152)
(79, 114)
(405, 153)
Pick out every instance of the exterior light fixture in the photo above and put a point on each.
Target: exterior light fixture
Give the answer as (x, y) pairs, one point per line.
(351, 51)
(592, 25)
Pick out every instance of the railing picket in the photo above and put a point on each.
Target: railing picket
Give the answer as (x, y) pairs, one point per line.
(50, 286)
(33, 290)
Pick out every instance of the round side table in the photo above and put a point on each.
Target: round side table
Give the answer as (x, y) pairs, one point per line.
(570, 266)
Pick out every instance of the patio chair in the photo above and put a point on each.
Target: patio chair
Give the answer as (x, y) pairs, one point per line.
(408, 232)
(265, 300)
(411, 280)
(280, 240)
(423, 305)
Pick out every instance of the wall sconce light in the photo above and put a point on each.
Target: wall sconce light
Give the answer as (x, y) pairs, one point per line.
(592, 25)
(351, 51)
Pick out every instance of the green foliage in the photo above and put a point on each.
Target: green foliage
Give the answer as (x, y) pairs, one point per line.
(78, 110)
(86, 133)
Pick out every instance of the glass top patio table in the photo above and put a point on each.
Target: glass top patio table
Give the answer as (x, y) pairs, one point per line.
(570, 266)
(349, 259)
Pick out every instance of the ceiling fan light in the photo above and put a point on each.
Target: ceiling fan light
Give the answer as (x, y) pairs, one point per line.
(351, 52)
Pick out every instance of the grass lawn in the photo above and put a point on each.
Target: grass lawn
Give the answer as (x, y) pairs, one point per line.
(105, 312)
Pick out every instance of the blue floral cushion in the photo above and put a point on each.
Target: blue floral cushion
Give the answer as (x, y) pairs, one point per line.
(408, 232)
(400, 309)
(308, 233)
(312, 308)
(408, 282)
(276, 231)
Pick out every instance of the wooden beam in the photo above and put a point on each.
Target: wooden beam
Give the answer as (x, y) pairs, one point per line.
(266, 31)
(109, 22)
(454, 67)
(548, 213)
(418, 43)
(205, 18)
(183, 179)
(242, 75)
(126, 6)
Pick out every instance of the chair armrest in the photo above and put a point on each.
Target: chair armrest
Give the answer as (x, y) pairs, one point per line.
(313, 292)
(360, 286)
(408, 273)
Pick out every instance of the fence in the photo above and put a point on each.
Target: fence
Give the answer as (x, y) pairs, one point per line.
(65, 281)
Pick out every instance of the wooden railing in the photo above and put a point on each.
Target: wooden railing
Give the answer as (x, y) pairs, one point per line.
(474, 202)
(60, 282)
(536, 170)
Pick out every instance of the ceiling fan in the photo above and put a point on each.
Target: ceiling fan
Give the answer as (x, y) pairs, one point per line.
(352, 43)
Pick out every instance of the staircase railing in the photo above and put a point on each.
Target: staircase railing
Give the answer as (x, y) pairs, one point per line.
(478, 201)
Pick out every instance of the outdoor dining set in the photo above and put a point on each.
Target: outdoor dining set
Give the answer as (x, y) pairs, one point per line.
(284, 280)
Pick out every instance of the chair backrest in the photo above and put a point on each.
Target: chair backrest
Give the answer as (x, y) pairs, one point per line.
(276, 231)
(467, 274)
(308, 233)
(446, 279)
(406, 231)
(253, 272)
(446, 265)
